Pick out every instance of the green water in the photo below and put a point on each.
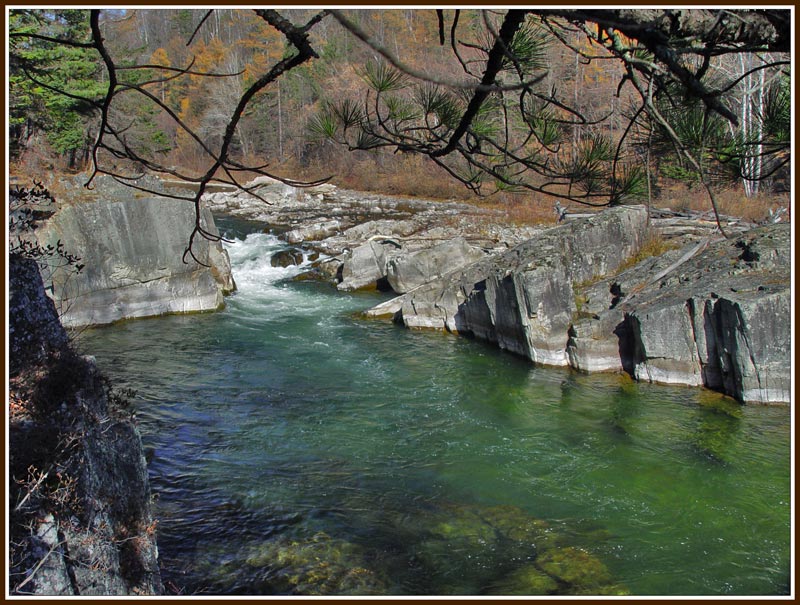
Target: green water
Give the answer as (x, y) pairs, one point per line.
(299, 449)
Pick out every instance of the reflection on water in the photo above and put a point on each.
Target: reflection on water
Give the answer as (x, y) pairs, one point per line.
(298, 449)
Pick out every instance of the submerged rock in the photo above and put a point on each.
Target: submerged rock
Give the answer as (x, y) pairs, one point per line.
(575, 567)
(503, 550)
(526, 580)
(316, 566)
(286, 258)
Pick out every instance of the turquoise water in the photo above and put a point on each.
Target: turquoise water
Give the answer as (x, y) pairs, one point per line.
(299, 449)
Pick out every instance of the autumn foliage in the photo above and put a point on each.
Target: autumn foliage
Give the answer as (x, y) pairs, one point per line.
(199, 63)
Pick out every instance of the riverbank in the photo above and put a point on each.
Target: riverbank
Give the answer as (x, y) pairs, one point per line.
(81, 521)
(661, 297)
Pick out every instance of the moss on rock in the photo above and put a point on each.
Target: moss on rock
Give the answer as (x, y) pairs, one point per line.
(574, 566)
(315, 566)
(526, 580)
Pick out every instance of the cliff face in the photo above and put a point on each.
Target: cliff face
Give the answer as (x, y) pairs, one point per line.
(132, 249)
(714, 313)
(79, 497)
(523, 299)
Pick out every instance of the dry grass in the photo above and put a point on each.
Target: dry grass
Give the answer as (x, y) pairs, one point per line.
(655, 244)
(523, 209)
(413, 175)
(730, 202)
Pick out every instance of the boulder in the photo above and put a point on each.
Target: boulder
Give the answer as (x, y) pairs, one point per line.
(598, 330)
(408, 271)
(132, 250)
(313, 232)
(286, 258)
(363, 267)
(714, 314)
(220, 266)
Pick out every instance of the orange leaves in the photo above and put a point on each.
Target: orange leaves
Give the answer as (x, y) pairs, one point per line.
(209, 57)
(160, 57)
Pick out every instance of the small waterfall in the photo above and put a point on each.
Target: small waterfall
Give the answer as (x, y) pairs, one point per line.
(250, 261)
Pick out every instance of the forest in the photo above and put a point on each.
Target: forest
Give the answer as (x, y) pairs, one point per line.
(223, 383)
(518, 107)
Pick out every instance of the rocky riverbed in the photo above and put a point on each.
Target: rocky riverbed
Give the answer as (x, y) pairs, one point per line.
(662, 297)
(593, 293)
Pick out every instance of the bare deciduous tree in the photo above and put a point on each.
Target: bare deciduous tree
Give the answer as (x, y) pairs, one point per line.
(497, 122)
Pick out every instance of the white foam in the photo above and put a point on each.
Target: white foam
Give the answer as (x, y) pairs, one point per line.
(250, 261)
(260, 286)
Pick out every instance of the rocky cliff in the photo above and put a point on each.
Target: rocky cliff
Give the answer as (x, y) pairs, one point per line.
(523, 300)
(80, 519)
(714, 312)
(702, 311)
(132, 248)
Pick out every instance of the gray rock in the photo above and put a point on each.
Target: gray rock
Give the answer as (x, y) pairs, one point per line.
(101, 542)
(313, 232)
(523, 299)
(717, 318)
(408, 271)
(327, 269)
(363, 267)
(220, 266)
(333, 220)
(133, 252)
(721, 319)
(52, 577)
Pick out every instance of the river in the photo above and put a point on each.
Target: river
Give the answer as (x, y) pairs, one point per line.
(297, 448)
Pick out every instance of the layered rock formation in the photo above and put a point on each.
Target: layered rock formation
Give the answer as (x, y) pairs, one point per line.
(132, 248)
(388, 261)
(523, 299)
(712, 313)
(81, 522)
(572, 295)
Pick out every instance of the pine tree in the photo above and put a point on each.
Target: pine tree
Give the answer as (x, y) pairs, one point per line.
(55, 88)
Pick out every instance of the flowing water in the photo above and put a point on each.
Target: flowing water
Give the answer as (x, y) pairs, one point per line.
(299, 449)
